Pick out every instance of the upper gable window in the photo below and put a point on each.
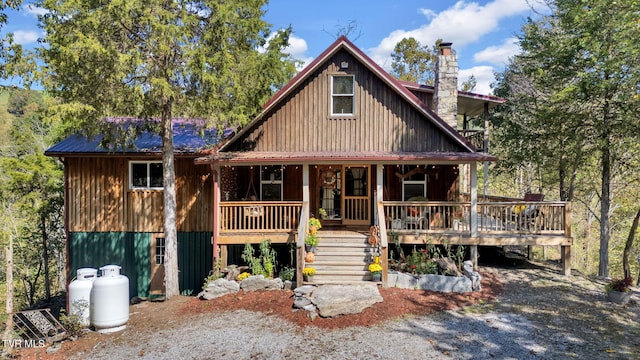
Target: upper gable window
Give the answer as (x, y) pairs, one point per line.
(342, 95)
(145, 175)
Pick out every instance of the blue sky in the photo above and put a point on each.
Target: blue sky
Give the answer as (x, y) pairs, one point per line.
(483, 32)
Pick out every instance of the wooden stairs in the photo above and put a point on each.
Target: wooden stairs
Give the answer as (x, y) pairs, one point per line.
(342, 257)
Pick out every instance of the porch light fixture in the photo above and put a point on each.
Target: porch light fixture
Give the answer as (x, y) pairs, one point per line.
(344, 65)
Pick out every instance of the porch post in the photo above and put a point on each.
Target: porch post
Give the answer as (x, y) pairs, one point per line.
(485, 145)
(384, 253)
(215, 174)
(473, 217)
(305, 209)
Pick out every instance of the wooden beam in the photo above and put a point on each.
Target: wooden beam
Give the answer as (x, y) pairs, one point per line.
(411, 238)
(255, 238)
(565, 255)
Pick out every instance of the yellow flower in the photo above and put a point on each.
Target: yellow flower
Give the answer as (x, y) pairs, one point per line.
(309, 271)
(374, 268)
(243, 276)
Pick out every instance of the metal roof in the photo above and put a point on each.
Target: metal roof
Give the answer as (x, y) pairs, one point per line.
(189, 137)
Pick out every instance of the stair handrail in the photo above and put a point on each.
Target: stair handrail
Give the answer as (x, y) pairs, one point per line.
(382, 226)
(302, 232)
(302, 226)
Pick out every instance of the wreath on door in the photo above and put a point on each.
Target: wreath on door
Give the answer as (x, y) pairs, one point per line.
(329, 179)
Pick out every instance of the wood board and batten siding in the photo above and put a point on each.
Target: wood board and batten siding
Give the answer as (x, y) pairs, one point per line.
(382, 121)
(100, 199)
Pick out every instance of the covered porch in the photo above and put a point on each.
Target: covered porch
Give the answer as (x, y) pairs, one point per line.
(451, 218)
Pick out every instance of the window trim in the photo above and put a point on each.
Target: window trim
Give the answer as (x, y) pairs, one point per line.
(272, 182)
(352, 95)
(148, 185)
(423, 182)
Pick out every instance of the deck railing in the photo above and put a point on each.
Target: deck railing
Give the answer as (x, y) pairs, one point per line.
(263, 216)
(512, 217)
(523, 217)
(427, 215)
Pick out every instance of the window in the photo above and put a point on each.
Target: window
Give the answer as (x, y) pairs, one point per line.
(414, 185)
(160, 250)
(342, 95)
(145, 175)
(271, 183)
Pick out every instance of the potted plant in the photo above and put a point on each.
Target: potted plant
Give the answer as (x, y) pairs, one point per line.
(619, 290)
(311, 241)
(376, 271)
(308, 273)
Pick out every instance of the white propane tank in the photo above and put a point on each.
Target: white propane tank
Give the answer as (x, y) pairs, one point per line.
(79, 294)
(110, 300)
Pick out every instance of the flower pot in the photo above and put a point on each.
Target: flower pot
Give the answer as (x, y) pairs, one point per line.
(310, 248)
(308, 278)
(619, 297)
(376, 276)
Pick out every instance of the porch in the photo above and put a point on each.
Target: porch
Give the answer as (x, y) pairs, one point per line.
(495, 221)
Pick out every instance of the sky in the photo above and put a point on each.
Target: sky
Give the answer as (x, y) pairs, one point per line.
(483, 33)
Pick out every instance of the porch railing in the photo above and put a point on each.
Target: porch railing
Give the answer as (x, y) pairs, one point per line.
(427, 215)
(263, 216)
(512, 217)
(531, 216)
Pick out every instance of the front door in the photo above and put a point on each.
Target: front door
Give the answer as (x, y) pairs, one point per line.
(356, 206)
(157, 265)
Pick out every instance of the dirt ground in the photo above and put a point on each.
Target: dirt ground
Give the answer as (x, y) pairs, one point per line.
(567, 307)
(154, 316)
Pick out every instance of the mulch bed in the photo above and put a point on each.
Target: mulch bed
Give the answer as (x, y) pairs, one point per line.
(397, 303)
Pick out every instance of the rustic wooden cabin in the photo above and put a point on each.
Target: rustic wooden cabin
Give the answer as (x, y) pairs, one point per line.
(343, 141)
(346, 142)
(114, 207)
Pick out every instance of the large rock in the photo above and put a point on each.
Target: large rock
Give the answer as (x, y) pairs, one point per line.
(217, 288)
(258, 282)
(430, 282)
(334, 300)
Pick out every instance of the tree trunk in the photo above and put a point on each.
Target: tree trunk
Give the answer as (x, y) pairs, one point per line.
(605, 200)
(172, 286)
(45, 256)
(8, 331)
(628, 245)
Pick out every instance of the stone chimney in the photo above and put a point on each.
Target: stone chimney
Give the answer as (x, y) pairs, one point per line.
(445, 99)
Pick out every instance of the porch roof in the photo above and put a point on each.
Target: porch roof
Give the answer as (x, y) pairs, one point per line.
(343, 157)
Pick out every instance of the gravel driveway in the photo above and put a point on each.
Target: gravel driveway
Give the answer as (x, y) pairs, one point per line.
(541, 315)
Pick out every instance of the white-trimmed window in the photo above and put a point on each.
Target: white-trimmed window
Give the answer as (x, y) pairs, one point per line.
(160, 250)
(342, 95)
(271, 183)
(145, 175)
(414, 185)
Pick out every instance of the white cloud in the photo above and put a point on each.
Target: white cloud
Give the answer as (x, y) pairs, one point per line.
(428, 13)
(500, 54)
(463, 23)
(25, 37)
(484, 78)
(298, 50)
(34, 10)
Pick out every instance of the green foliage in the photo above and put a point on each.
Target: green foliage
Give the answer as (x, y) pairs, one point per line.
(569, 122)
(31, 200)
(72, 323)
(312, 232)
(287, 274)
(413, 62)
(265, 263)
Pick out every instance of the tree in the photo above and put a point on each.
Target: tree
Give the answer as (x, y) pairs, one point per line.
(582, 69)
(413, 62)
(156, 60)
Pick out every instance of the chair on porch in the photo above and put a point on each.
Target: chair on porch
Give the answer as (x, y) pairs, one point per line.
(529, 217)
